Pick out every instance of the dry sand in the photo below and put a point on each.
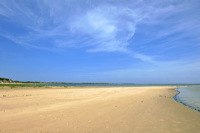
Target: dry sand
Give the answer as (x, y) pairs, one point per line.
(95, 110)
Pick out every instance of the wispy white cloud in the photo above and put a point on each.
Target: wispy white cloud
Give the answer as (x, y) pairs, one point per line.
(110, 27)
(99, 26)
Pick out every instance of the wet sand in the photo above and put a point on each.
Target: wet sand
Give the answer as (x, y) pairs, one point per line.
(95, 110)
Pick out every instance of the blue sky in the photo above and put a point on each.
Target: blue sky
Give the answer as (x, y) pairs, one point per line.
(129, 41)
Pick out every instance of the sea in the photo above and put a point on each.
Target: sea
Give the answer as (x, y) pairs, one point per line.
(104, 84)
(189, 96)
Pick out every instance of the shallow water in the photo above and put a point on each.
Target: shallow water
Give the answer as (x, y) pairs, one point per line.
(189, 96)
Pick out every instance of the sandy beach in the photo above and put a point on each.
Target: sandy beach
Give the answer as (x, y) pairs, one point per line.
(95, 110)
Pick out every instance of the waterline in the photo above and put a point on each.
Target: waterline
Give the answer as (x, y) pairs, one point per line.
(189, 96)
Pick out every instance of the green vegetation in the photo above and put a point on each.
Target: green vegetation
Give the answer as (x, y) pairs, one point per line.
(20, 85)
(5, 80)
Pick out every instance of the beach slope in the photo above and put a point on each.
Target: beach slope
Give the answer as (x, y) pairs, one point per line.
(95, 110)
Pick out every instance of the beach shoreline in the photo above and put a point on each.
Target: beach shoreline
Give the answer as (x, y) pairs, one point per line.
(95, 109)
(176, 98)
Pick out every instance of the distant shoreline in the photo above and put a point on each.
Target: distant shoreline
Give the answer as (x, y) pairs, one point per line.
(27, 84)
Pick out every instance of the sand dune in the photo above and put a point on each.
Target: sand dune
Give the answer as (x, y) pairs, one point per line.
(95, 110)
